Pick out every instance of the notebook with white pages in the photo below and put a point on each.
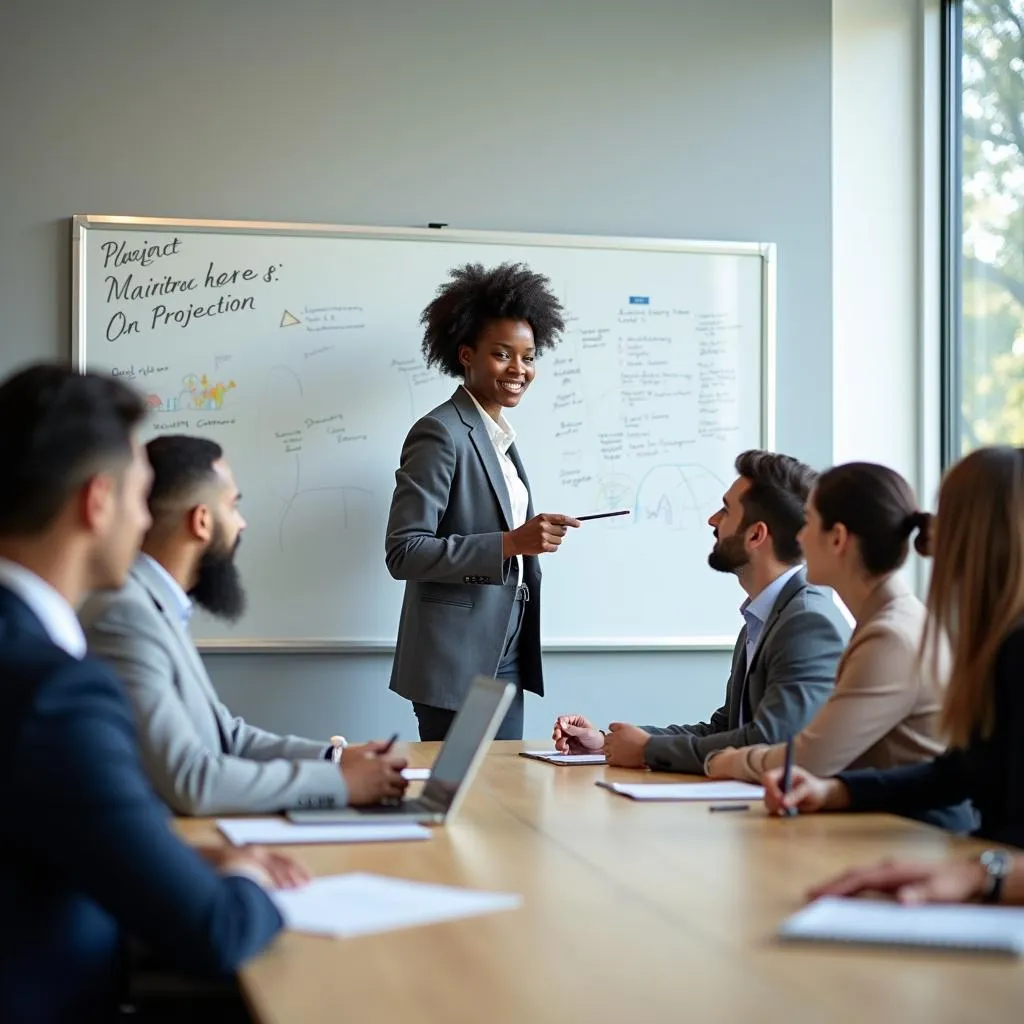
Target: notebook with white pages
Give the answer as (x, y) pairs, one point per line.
(554, 757)
(961, 927)
(686, 791)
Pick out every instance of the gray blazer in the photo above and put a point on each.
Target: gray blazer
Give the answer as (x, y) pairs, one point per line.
(790, 676)
(448, 512)
(200, 759)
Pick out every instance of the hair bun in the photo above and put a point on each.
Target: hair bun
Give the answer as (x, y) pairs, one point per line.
(922, 523)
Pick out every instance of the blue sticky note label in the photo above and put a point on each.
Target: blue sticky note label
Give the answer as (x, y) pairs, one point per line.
(639, 300)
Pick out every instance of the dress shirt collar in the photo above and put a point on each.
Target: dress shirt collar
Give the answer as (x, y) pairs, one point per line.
(47, 604)
(183, 605)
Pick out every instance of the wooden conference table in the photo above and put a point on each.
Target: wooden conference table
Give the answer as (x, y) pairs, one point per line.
(631, 911)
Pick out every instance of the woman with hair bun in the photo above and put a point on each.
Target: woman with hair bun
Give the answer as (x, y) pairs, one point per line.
(886, 707)
(976, 600)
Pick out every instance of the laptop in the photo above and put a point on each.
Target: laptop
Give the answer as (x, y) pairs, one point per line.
(457, 762)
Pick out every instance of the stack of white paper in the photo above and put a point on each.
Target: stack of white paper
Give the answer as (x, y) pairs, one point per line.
(833, 919)
(360, 904)
(276, 831)
(686, 790)
(554, 757)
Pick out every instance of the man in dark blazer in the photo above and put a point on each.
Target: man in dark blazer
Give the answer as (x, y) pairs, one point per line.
(784, 662)
(88, 854)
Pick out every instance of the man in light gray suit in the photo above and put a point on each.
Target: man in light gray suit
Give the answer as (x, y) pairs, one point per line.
(784, 662)
(200, 758)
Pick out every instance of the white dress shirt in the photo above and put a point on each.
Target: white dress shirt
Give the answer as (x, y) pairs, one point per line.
(49, 607)
(502, 438)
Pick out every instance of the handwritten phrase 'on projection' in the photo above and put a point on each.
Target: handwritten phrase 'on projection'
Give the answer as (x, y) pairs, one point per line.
(130, 280)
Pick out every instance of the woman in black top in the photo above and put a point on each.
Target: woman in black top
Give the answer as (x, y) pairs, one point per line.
(976, 597)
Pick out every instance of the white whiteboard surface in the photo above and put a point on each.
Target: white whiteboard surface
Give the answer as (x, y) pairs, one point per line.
(297, 347)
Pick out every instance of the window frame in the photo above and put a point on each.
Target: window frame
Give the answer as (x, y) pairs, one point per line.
(951, 408)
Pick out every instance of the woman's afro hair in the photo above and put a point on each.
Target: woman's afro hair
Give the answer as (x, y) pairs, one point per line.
(474, 297)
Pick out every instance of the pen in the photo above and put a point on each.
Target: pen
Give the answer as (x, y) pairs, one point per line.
(729, 807)
(390, 744)
(603, 515)
(787, 776)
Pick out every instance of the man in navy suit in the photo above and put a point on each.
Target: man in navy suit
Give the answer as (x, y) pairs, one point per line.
(87, 854)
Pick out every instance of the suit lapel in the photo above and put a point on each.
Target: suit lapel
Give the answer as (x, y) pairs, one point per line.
(738, 679)
(165, 604)
(15, 615)
(513, 454)
(470, 416)
(795, 583)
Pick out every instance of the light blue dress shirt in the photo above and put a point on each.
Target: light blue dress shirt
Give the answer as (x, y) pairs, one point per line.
(181, 599)
(757, 610)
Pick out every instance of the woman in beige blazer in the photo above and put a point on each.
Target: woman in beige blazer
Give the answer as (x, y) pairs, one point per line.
(884, 710)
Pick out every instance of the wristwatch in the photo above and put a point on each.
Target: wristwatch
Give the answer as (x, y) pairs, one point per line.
(998, 864)
(338, 745)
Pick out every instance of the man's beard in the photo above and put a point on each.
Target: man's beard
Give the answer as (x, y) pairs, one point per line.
(728, 555)
(218, 586)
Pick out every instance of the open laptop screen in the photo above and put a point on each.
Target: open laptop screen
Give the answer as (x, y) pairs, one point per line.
(474, 727)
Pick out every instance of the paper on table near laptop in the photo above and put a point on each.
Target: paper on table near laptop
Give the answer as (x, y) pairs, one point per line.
(876, 922)
(359, 904)
(276, 831)
(554, 757)
(685, 790)
(415, 774)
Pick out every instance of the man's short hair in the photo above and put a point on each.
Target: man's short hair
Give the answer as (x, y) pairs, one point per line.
(58, 428)
(779, 486)
(182, 466)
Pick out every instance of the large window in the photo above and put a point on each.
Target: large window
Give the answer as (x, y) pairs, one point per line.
(985, 225)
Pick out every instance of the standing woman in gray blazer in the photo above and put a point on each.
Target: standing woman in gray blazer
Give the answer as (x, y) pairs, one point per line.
(462, 532)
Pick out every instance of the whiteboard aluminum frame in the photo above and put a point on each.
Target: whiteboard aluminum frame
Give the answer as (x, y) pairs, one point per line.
(765, 251)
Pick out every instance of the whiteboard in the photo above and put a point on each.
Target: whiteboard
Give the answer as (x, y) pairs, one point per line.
(296, 347)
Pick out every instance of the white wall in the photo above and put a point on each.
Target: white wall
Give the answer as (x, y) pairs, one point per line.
(885, 234)
(664, 117)
(886, 94)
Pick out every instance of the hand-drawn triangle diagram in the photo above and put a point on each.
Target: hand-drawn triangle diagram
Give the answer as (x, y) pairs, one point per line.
(289, 319)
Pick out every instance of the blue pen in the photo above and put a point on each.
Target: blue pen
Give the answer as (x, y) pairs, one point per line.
(787, 776)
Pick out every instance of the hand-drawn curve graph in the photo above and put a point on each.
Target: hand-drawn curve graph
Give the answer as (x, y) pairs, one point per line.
(679, 496)
(614, 490)
(281, 421)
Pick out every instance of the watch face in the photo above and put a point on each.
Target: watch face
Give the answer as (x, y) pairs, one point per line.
(997, 862)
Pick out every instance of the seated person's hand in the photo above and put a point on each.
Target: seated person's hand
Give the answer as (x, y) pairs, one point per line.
(624, 745)
(807, 793)
(373, 778)
(355, 752)
(722, 764)
(909, 882)
(573, 734)
(275, 870)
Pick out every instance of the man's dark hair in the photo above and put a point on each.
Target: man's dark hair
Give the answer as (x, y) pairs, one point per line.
(877, 506)
(475, 297)
(58, 428)
(779, 485)
(182, 465)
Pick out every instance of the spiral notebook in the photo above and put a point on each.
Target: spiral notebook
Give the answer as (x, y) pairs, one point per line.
(971, 928)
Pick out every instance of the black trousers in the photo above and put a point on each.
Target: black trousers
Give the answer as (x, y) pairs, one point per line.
(434, 723)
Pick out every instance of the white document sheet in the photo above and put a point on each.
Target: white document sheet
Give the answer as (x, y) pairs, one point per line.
(686, 790)
(554, 757)
(976, 928)
(360, 904)
(277, 831)
(415, 774)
